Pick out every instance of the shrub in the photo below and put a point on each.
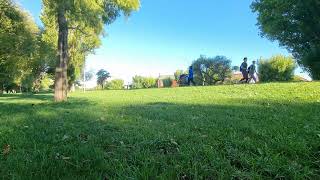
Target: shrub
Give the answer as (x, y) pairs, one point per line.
(140, 82)
(115, 84)
(277, 68)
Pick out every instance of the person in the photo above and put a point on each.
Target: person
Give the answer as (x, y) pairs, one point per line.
(252, 70)
(190, 77)
(244, 70)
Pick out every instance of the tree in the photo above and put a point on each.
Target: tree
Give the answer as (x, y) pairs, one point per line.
(140, 82)
(211, 70)
(102, 76)
(116, 84)
(87, 17)
(295, 24)
(277, 68)
(19, 47)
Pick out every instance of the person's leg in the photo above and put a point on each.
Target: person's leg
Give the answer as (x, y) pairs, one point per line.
(189, 81)
(254, 78)
(247, 76)
(243, 76)
(251, 76)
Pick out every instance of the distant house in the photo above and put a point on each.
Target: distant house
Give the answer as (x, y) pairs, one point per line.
(237, 76)
(163, 77)
(298, 78)
(165, 81)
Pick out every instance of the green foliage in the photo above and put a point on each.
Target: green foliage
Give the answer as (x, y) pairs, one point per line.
(277, 68)
(140, 82)
(311, 60)
(116, 84)
(102, 76)
(295, 24)
(24, 57)
(264, 131)
(82, 30)
(47, 82)
(211, 70)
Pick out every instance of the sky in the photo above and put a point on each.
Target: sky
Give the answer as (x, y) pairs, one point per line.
(166, 35)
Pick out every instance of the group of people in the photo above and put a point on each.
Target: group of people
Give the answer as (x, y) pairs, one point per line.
(248, 73)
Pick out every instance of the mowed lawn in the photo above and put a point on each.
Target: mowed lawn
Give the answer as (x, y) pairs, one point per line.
(264, 131)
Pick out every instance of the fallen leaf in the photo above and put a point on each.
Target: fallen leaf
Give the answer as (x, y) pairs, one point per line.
(6, 150)
(65, 137)
(204, 136)
(66, 158)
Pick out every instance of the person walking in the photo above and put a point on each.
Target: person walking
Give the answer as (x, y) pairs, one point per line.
(252, 70)
(190, 76)
(244, 70)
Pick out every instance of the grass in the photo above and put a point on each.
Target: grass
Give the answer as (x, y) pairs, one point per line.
(266, 131)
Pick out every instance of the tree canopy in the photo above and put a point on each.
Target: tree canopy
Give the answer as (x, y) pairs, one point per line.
(75, 28)
(209, 71)
(296, 25)
(22, 52)
(102, 76)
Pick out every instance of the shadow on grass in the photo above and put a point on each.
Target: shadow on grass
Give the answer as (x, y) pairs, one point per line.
(81, 139)
(27, 96)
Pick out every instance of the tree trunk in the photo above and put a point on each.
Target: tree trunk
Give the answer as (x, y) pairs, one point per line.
(61, 79)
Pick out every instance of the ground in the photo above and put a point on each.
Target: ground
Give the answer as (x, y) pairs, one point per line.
(264, 131)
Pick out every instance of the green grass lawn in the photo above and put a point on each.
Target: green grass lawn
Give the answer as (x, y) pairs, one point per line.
(264, 131)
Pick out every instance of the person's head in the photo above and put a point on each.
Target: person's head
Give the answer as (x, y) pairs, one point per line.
(253, 62)
(190, 67)
(245, 59)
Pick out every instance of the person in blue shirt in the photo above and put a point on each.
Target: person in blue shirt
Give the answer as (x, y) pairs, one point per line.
(190, 77)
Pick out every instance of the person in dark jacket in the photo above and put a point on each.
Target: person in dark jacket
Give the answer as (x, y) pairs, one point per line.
(190, 77)
(244, 70)
(252, 70)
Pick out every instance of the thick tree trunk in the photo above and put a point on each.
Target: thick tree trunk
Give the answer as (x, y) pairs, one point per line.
(61, 79)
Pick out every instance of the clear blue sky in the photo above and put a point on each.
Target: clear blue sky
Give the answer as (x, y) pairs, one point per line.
(166, 35)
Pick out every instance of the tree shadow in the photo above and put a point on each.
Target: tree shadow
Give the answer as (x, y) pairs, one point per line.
(82, 139)
(26, 96)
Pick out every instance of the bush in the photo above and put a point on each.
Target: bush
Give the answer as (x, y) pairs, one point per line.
(277, 68)
(115, 84)
(140, 82)
(211, 70)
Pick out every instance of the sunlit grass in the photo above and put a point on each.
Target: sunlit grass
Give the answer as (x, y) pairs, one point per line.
(242, 131)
